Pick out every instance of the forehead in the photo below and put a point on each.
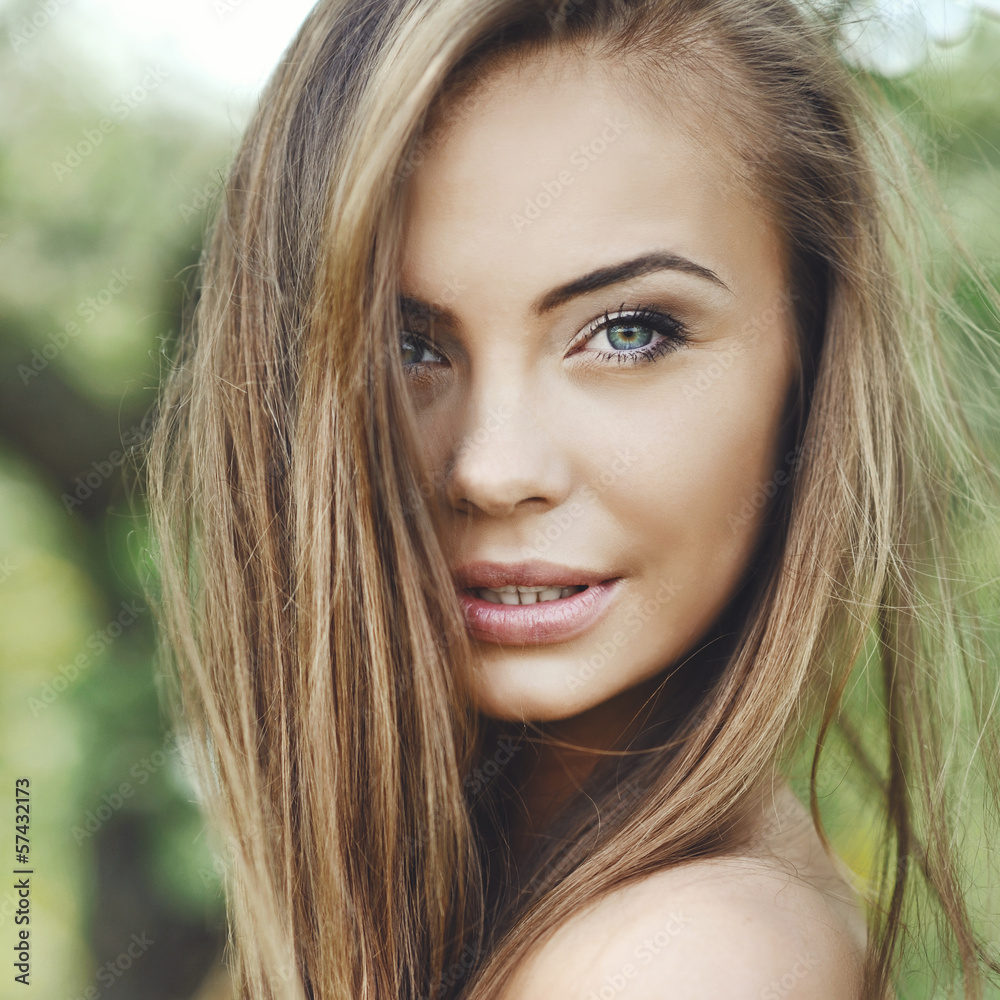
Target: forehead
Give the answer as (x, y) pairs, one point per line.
(571, 159)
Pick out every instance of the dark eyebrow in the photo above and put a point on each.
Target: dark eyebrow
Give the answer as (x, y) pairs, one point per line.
(614, 273)
(601, 278)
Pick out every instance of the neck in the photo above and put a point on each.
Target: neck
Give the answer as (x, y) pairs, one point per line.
(551, 769)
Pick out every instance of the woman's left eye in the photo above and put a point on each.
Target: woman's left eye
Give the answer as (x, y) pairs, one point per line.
(631, 333)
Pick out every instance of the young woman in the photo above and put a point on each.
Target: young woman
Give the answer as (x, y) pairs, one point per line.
(562, 441)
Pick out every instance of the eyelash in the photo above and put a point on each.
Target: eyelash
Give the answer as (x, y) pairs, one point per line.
(673, 333)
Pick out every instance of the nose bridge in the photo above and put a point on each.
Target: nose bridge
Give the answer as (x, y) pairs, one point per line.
(493, 406)
(504, 452)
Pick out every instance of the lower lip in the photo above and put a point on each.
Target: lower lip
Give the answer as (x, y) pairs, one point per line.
(529, 624)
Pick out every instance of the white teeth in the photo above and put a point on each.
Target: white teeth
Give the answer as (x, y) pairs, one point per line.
(512, 594)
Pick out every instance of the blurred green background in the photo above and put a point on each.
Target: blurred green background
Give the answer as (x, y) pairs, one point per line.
(105, 189)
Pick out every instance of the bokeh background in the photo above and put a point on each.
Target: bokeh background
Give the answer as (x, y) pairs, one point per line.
(117, 122)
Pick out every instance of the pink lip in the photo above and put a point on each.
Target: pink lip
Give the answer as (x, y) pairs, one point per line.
(529, 573)
(550, 621)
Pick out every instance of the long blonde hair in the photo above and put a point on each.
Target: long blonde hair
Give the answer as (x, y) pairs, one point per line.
(307, 614)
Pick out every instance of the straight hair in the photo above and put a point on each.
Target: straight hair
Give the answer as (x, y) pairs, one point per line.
(317, 653)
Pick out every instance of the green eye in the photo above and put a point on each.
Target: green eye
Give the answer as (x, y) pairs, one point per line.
(630, 334)
(625, 335)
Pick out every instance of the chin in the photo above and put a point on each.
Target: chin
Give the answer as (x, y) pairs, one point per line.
(522, 689)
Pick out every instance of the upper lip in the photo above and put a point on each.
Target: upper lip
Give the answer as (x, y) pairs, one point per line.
(530, 573)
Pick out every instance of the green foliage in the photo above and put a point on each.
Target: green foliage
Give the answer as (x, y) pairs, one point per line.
(99, 226)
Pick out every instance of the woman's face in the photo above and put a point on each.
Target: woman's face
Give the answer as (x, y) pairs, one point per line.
(560, 427)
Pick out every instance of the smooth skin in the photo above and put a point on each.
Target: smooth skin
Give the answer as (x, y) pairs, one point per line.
(652, 471)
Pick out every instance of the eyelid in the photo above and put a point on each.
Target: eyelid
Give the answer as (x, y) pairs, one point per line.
(648, 313)
(416, 324)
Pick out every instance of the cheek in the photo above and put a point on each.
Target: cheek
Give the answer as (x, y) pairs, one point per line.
(703, 476)
(433, 430)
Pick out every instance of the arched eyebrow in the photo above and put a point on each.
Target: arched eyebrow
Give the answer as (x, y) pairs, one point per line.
(602, 277)
(614, 273)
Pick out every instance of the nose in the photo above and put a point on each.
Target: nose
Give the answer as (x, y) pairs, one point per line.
(508, 455)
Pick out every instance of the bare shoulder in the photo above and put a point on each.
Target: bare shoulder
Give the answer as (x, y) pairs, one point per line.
(733, 927)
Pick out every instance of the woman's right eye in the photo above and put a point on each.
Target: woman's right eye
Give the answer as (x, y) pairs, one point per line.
(415, 350)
